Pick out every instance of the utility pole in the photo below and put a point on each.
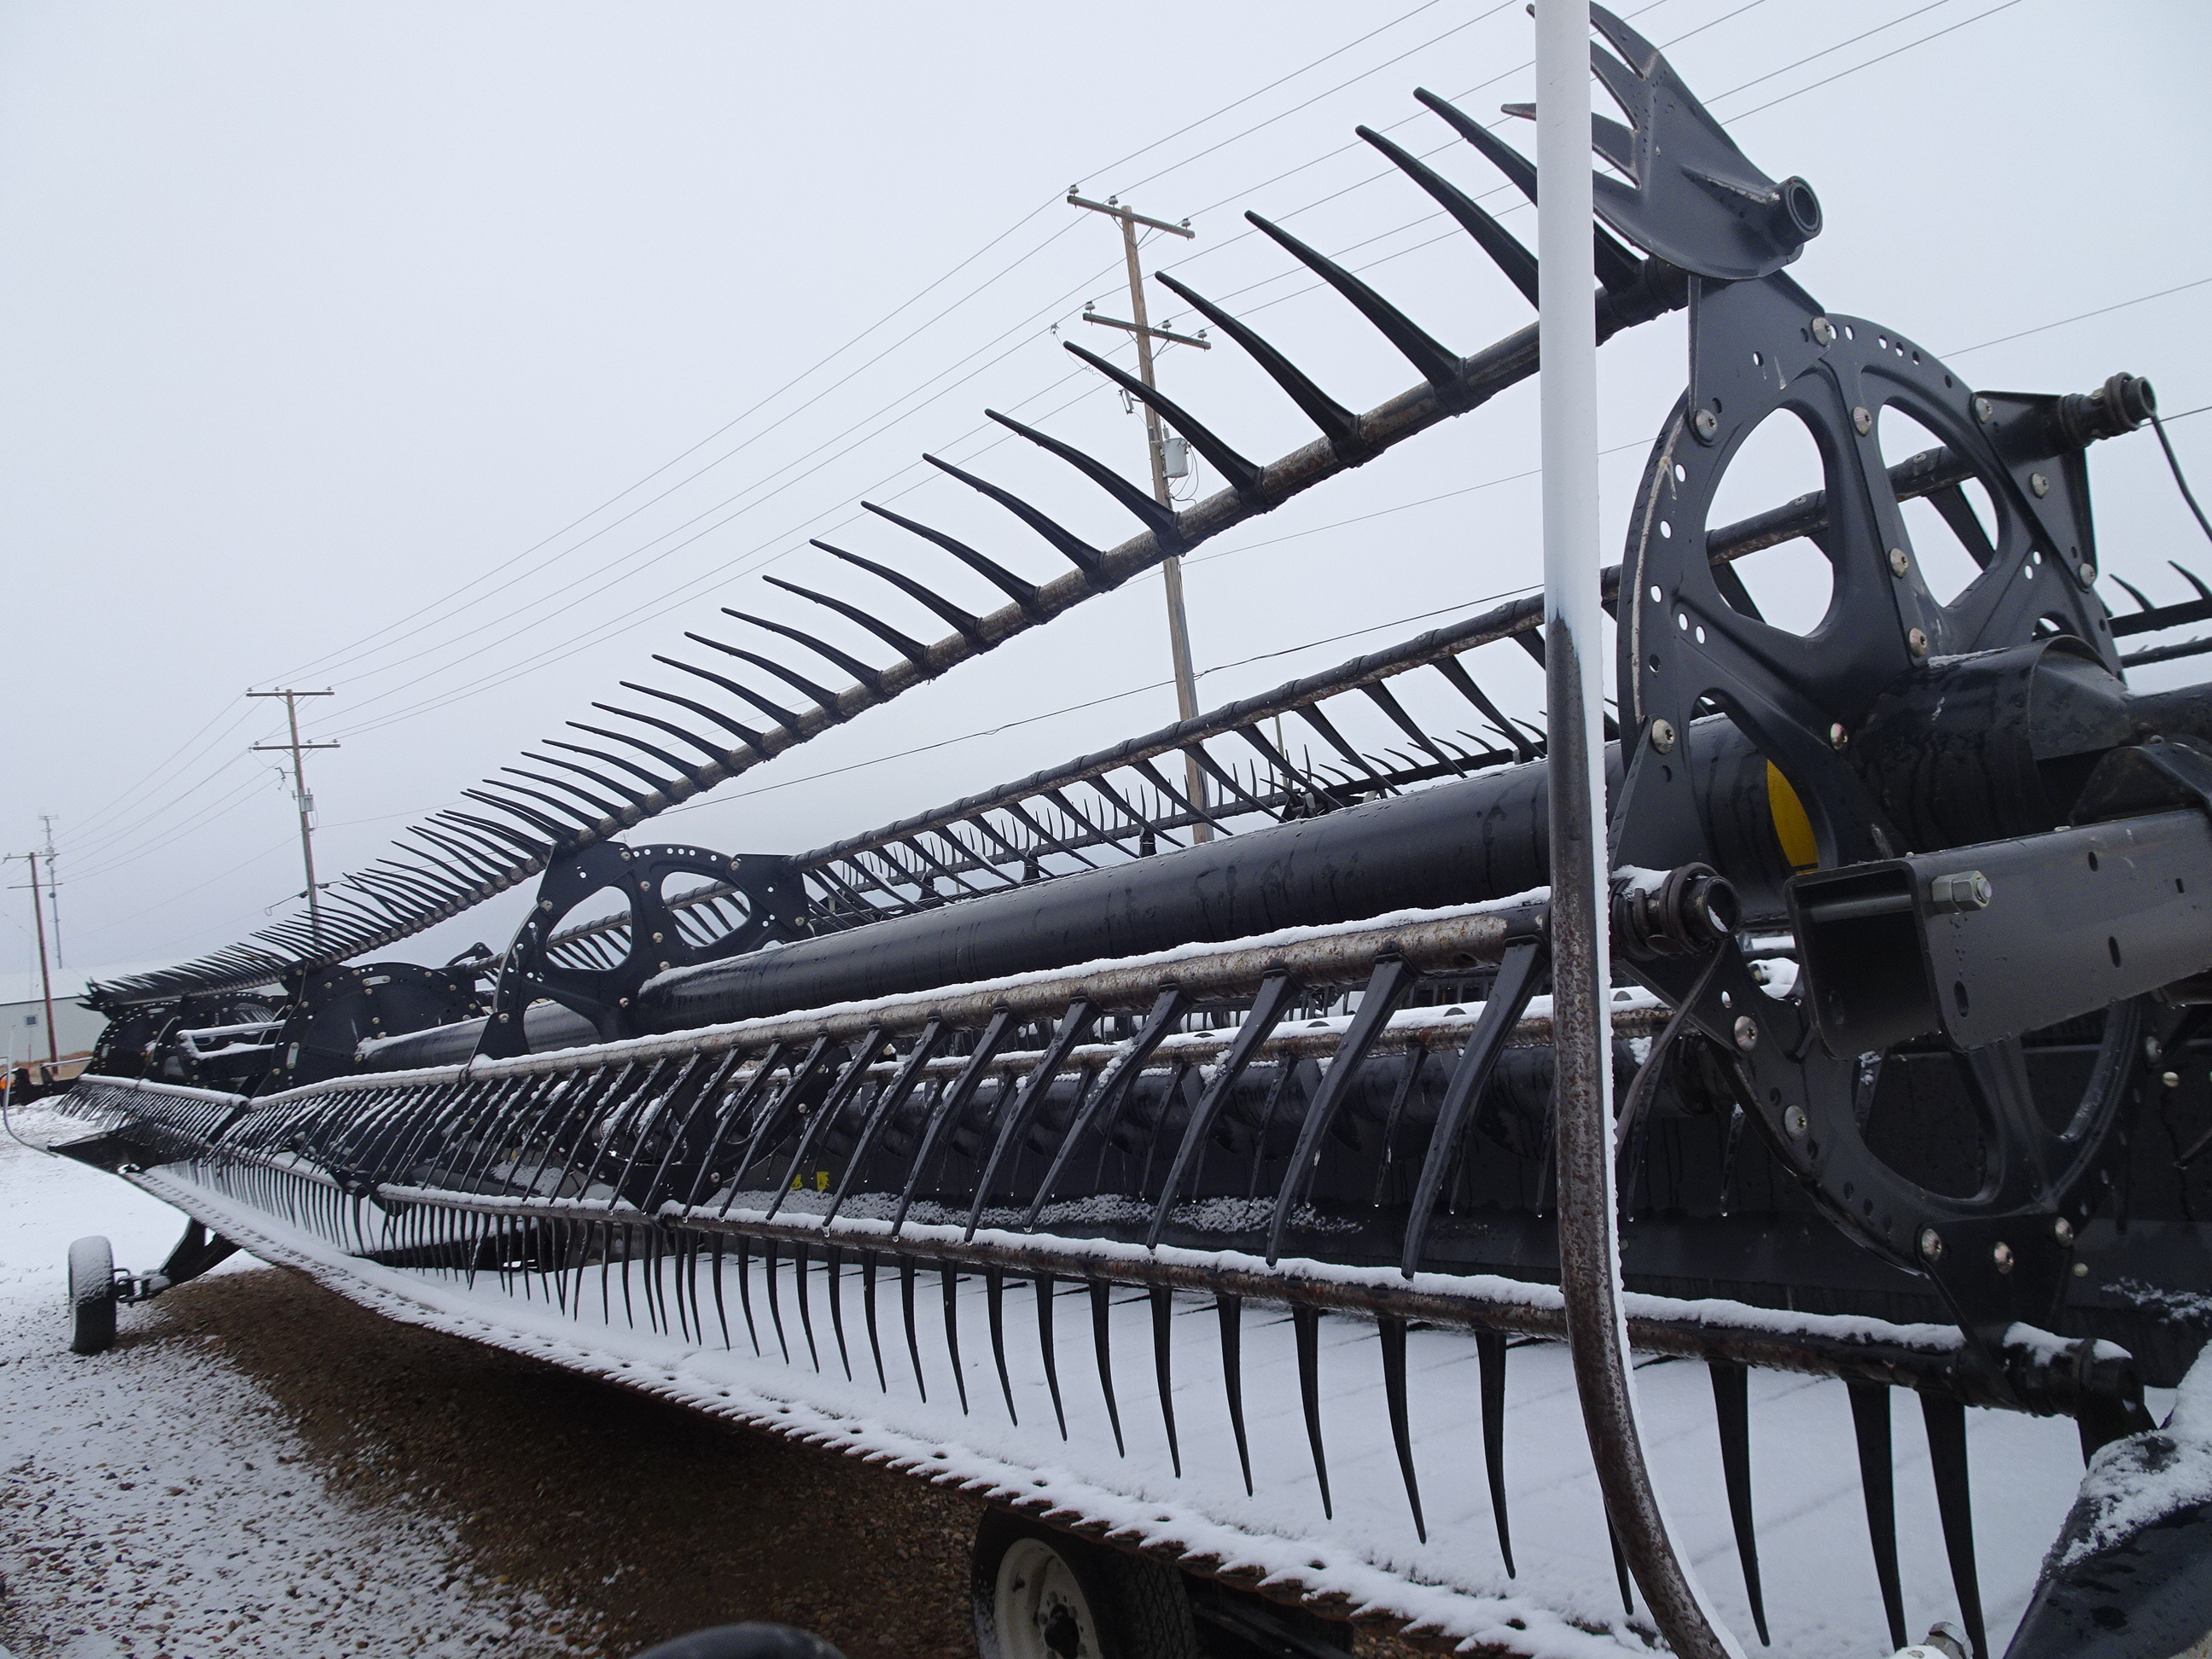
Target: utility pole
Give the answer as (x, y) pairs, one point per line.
(45, 973)
(1139, 325)
(299, 793)
(53, 891)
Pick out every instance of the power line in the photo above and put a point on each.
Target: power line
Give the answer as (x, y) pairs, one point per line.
(2101, 310)
(332, 659)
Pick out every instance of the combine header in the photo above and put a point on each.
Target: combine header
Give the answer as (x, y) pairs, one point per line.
(1181, 1167)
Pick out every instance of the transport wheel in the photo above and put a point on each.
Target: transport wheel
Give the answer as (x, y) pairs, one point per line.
(1042, 1595)
(92, 1295)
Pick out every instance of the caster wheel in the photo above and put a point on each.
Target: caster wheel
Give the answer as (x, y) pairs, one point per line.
(91, 1296)
(1042, 1595)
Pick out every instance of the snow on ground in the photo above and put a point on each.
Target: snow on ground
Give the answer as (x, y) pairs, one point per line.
(156, 1503)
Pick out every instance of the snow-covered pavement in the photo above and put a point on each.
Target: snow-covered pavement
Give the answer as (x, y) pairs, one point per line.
(153, 1501)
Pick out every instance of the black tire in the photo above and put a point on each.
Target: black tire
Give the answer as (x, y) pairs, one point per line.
(91, 1296)
(1038, 1594)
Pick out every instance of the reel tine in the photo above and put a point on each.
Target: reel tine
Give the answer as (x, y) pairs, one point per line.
(1438, 364)
(1101, 1292)
(1305, 1321)
(1732, 1415)
(1338, 424)
(1320, 723)
(1230, 1312)
(1463, 683)
(1074, 1026)
(773, 1114)
(744, 1288)
(1241, 475)
(1169, 1007)
(2141, 598)
(1505, 250)
(1490, 1351)
(1278, 990)
(1960, 518)
(1064, 541)
(824, 698)
(995, 1296)
(833, 1105)
(581, 770)
(744, 734)
(1151, 774)
(1024, 594)
(799, 1255)
(1380, 695)
(1878, 1481)
(1044, 1295)
(953, 1102)
(715, 752)
(1946, 1420)
(965, 623)
(581, 793)
(912, 649)
(888, 1103)
(833, 1263)
(1386, 986)
(721, 1311)
(683, 767)
(1393, 1335)
(560, 832)
(906, 1309)
(1620, 1570)
(1518, 971)
(659, 785)
(1160, 520)
(868, 1311)
(1617, 267)
(863, 674)
(768, 1265)
(530, 848)
(949, 1276)
(783, 717)
(1162, 1302)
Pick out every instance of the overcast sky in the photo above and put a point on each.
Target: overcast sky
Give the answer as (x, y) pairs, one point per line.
(458, 358)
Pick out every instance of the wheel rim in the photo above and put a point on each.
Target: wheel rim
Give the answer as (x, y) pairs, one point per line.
(1039, 1607)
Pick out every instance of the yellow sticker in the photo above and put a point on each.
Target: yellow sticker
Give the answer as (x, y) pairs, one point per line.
(1791, 826)
(822, 1181)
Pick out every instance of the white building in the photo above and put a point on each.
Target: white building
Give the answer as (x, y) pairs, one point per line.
(23, 1016)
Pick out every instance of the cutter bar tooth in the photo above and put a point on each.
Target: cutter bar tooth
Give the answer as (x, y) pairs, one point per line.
(1162, 1301)
(1101, 1294)
(1946, 1420)
(1044, 1295)
(1732, 1416)
(1392, 1333)
(949, 1276)
(1490, 1351)
(1306, 1323)
(995, 1296)
(1229, 1311)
